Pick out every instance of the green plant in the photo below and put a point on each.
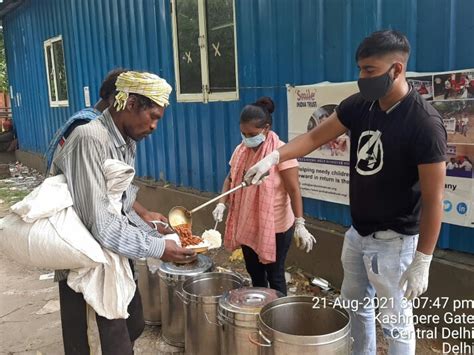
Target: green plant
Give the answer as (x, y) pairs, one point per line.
(3, 65)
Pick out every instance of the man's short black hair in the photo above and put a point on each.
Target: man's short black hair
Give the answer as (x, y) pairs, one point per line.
(383, 42)
(108, 88)
(143, 102)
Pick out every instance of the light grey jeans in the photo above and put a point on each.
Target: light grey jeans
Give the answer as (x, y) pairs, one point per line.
(373, 266)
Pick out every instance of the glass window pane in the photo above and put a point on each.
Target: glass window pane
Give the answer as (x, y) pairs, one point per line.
(221, 46)
(60, 70)
(50, 73)
(189, 55)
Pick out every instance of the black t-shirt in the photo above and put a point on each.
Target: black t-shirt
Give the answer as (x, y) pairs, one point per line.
(386, 149)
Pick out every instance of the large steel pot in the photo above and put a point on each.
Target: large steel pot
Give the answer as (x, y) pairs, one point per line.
(290, 325)
(172, 277)
(149, 286)
(238, 314)
(201, 297)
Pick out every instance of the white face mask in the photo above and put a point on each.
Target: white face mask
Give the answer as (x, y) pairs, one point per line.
(253, 142)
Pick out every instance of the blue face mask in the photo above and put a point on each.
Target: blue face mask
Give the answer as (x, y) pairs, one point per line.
(253, 142)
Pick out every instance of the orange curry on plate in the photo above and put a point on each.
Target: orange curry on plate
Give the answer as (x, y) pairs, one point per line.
(186, 236)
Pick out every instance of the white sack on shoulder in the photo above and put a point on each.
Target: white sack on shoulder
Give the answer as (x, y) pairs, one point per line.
(44, 201)
(47, 244)
(45, 231)
(70, 228)
(109, 288)
(118, 176)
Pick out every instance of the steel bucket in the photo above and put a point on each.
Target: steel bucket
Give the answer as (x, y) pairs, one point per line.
(201, 296)
(238, 315)
(172, 277)
(290, 325)
(149, 286)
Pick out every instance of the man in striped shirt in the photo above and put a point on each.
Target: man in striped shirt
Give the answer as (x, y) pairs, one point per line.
(139, 105)
(106, 97)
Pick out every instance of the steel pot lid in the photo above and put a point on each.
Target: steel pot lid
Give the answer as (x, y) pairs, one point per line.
(247, 300)
(202, 264)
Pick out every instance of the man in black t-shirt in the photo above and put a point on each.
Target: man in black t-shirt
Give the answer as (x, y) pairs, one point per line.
(397, 170)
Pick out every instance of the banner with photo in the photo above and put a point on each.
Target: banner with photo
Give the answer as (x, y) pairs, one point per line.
(453, 98)
(324, 173)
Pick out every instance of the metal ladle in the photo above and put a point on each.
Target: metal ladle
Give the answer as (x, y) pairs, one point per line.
(180, 215)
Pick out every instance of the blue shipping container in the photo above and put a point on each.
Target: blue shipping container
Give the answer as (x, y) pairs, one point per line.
(278, 42)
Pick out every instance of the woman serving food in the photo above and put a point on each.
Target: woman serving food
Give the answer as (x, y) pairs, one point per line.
(261, 218)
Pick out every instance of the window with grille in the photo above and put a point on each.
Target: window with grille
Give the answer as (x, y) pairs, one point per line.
(56, 72)
(205, 54)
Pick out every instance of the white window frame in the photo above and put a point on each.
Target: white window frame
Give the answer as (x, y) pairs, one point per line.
(48, 46)
(206, 95)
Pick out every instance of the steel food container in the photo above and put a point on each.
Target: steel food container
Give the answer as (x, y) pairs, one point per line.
(172, 277)
(149, 287)
(291, 325)
(238, 315)
(201, 296)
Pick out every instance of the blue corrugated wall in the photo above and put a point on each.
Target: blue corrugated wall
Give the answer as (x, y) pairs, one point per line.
(279, 42)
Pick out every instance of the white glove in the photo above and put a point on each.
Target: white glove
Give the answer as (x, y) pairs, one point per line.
(218, 212)
(255, 173)
(416, 276)
(304, 239)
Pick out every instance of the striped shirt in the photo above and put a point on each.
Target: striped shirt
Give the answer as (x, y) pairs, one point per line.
(81, 161)
(84, 115)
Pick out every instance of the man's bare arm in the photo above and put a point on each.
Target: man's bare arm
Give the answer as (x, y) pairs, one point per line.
(432, 178)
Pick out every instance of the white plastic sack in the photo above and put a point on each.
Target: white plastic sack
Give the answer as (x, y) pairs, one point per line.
(109, 288)
(58, 242)
(45, 231)
(118, 176)
(44, 201)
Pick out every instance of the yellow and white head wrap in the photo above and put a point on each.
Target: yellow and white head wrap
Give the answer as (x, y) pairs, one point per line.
(146, 84)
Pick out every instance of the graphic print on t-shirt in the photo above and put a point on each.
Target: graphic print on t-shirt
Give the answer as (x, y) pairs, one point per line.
(369, 153)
